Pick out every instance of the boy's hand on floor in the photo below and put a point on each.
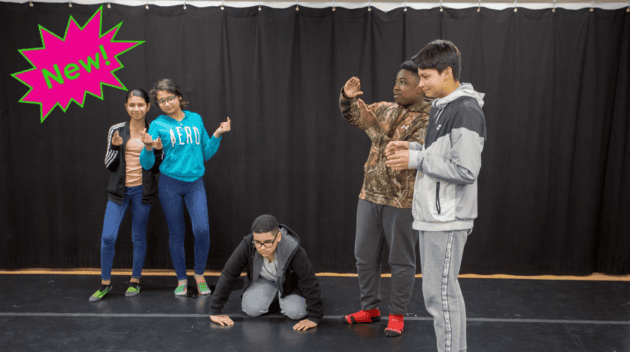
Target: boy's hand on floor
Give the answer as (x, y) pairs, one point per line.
(304, 325)
(222, 320)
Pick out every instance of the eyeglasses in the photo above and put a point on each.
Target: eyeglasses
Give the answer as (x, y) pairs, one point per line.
(266, 244)
(166, 100)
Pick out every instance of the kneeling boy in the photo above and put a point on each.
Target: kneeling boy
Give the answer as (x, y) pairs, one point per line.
(277, 268)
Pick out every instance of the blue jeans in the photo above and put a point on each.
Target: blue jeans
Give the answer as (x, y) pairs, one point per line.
(173, 193)
(114, 215)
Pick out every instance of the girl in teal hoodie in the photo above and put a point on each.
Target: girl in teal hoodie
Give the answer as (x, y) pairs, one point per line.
(186, 145)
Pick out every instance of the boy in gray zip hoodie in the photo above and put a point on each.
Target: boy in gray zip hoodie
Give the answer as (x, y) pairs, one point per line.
(445, 191)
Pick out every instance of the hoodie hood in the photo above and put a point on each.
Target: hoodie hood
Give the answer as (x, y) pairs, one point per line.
(287, 247)
(285, 251)
(464, 90)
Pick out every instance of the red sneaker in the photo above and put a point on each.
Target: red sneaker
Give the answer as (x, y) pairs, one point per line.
(395, 326)
(362, 316)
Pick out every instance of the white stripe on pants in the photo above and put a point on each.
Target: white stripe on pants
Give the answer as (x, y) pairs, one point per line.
(440, 259)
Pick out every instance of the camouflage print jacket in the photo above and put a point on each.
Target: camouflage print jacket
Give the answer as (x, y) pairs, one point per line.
(381, 184)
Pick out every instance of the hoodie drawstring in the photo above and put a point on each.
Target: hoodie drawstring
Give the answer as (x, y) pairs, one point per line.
(438, 114)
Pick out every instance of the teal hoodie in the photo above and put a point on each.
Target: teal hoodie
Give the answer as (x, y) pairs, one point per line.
(186, 146)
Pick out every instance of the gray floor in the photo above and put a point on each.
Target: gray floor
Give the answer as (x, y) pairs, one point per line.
(52, 313)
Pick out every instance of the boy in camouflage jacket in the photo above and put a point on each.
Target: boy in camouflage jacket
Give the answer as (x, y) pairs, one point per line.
(384, 209)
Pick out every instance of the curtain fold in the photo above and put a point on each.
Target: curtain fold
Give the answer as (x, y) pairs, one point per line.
(553, 188)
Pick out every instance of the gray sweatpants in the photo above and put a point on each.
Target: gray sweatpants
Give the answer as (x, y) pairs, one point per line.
(440, 259)
(260, 294)
(376, 225)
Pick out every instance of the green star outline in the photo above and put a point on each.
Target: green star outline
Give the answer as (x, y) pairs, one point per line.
(101, 84)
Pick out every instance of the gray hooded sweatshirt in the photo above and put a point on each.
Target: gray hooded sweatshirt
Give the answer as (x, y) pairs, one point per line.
(445, 191)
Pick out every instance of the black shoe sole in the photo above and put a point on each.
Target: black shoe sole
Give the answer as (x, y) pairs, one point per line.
(345, 321)
(390, 333)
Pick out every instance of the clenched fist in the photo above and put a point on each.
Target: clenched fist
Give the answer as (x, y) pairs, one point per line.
(146, 139)
(394, 146)
(116, 139)
(224, 127)
(157, 144)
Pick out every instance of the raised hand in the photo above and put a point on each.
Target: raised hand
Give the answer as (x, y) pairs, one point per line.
(222, 320)
(352, 88)
(395, 146)
(146, 139)
(224, 127)
(116, 139)
(304, 325)
(157, 144)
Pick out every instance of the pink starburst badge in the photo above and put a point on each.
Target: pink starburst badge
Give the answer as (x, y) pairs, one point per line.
(66, 70)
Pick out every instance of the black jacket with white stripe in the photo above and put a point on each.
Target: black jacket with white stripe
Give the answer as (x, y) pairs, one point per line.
(115, 162)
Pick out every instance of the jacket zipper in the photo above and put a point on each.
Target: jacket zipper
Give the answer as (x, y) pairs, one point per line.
(437, 198)
(431, 132)
(123, 163)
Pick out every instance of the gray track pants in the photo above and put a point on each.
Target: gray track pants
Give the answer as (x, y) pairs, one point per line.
(378, 224)
(259, 296)
(440, 258)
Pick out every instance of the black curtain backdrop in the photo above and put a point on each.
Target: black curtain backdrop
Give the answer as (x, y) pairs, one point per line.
(554, 185)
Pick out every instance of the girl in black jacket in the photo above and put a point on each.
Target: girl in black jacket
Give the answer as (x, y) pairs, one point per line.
(129, 185)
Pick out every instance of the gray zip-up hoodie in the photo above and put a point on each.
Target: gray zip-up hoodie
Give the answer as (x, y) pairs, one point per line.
(445, 191)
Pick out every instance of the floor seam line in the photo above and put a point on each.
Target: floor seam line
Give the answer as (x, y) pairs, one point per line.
(326, 317)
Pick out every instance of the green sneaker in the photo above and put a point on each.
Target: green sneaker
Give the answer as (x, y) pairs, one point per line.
(133, 290)
(203, 289)
(102, 291)
(181, 290)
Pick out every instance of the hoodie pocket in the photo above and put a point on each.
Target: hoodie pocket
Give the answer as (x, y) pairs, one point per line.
(440, 202)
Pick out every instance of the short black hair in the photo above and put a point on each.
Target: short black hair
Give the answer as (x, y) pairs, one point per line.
(138, 93)
(170, 86)
(409, 66)
(265, 223)
(438, 55)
